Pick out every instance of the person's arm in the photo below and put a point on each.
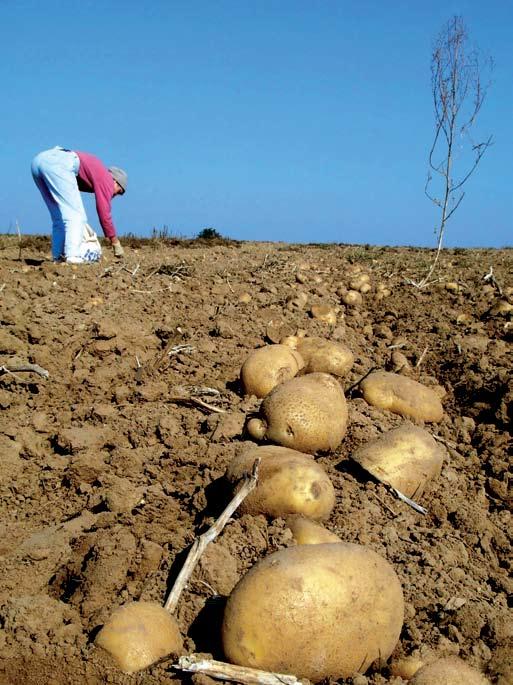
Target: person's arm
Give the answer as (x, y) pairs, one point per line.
(103, 194)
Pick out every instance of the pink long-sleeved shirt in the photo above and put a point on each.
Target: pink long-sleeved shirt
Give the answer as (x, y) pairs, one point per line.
(94, 177)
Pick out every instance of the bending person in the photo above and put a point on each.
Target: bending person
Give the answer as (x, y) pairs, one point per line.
(60, 174)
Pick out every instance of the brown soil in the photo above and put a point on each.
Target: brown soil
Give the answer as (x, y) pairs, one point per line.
(106, 478)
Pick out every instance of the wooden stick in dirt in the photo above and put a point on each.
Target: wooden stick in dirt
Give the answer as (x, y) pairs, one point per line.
(34, 368)
(239, 674)
(197, 402)
(201, 543)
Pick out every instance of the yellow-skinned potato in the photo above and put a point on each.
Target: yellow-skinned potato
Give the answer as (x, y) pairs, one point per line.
(308, 414)
(289, 482)
(139, 634)
(324, 312)
(306, 532)
(448, 671)
(402, 395)
(407, 458)
(268, 366)
(407, 666)
(315, 611)
(352, 298)
(322, 355)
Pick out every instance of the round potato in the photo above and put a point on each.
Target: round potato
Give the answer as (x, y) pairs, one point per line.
(325, 313)
(306, 532)
(308, 414)
(352, 298)
(322, 355)
(402, 395)
(407, 666)
(139, 634)
(315, 611)
(289, 482)
(407, 458)
(448, 671)
(268, 366)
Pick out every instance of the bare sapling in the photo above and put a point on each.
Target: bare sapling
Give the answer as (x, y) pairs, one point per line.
(459, 83)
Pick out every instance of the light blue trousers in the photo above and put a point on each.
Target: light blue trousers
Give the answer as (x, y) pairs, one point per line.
(55, 174)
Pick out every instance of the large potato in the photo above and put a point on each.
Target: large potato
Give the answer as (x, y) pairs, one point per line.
(308, 414)
(322, 355)
(401, 395)
(315, 611)
(448, 671)
(139, 634)
(289, 482)
(306, 532)
(267, 367)
(406, 458)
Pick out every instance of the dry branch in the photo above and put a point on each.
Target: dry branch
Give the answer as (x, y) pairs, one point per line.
(201, 543)
(199, 403)
(25, 368)
(238, 674)
(490, 277)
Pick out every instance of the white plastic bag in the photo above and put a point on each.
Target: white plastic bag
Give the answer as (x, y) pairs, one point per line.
(90, 250)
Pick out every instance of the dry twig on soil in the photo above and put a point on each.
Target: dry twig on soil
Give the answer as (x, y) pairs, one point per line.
(201, 543)
(199, 403)
(24, 368)
(490, 277)
(239, 674)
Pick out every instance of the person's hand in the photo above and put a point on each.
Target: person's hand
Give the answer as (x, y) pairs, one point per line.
(117, 248)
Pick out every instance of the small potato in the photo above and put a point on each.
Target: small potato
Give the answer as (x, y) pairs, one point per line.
(306, 532)
(501, 308)
(360, 281)
(297, 301)
(322, 355)
(268, 366)
(289, 482)
(407, 458)
(401, 395)
(406, 667)
(352, 298)
(323, 312)
(315, 611)
(448, 671)
(400, 363)
(308, 414)
(382, 291)
(139, 634)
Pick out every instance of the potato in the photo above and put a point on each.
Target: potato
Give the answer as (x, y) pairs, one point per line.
(315, 611)
(352, 298)
(400, 363)
(289, 482)
(407, 458)
(308, 414)
(501, 308)
(323, 312)
(401, 395)
(139, 634)
(268, 366)
(306, 532)
(322, 355)
(297, 301)
(360, 281)
(407, 666)
(448, 671)
(382, 291)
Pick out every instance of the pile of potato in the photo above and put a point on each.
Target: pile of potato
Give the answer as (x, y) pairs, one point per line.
(321, 608)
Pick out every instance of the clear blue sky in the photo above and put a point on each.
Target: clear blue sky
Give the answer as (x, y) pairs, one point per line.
(290, 120)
